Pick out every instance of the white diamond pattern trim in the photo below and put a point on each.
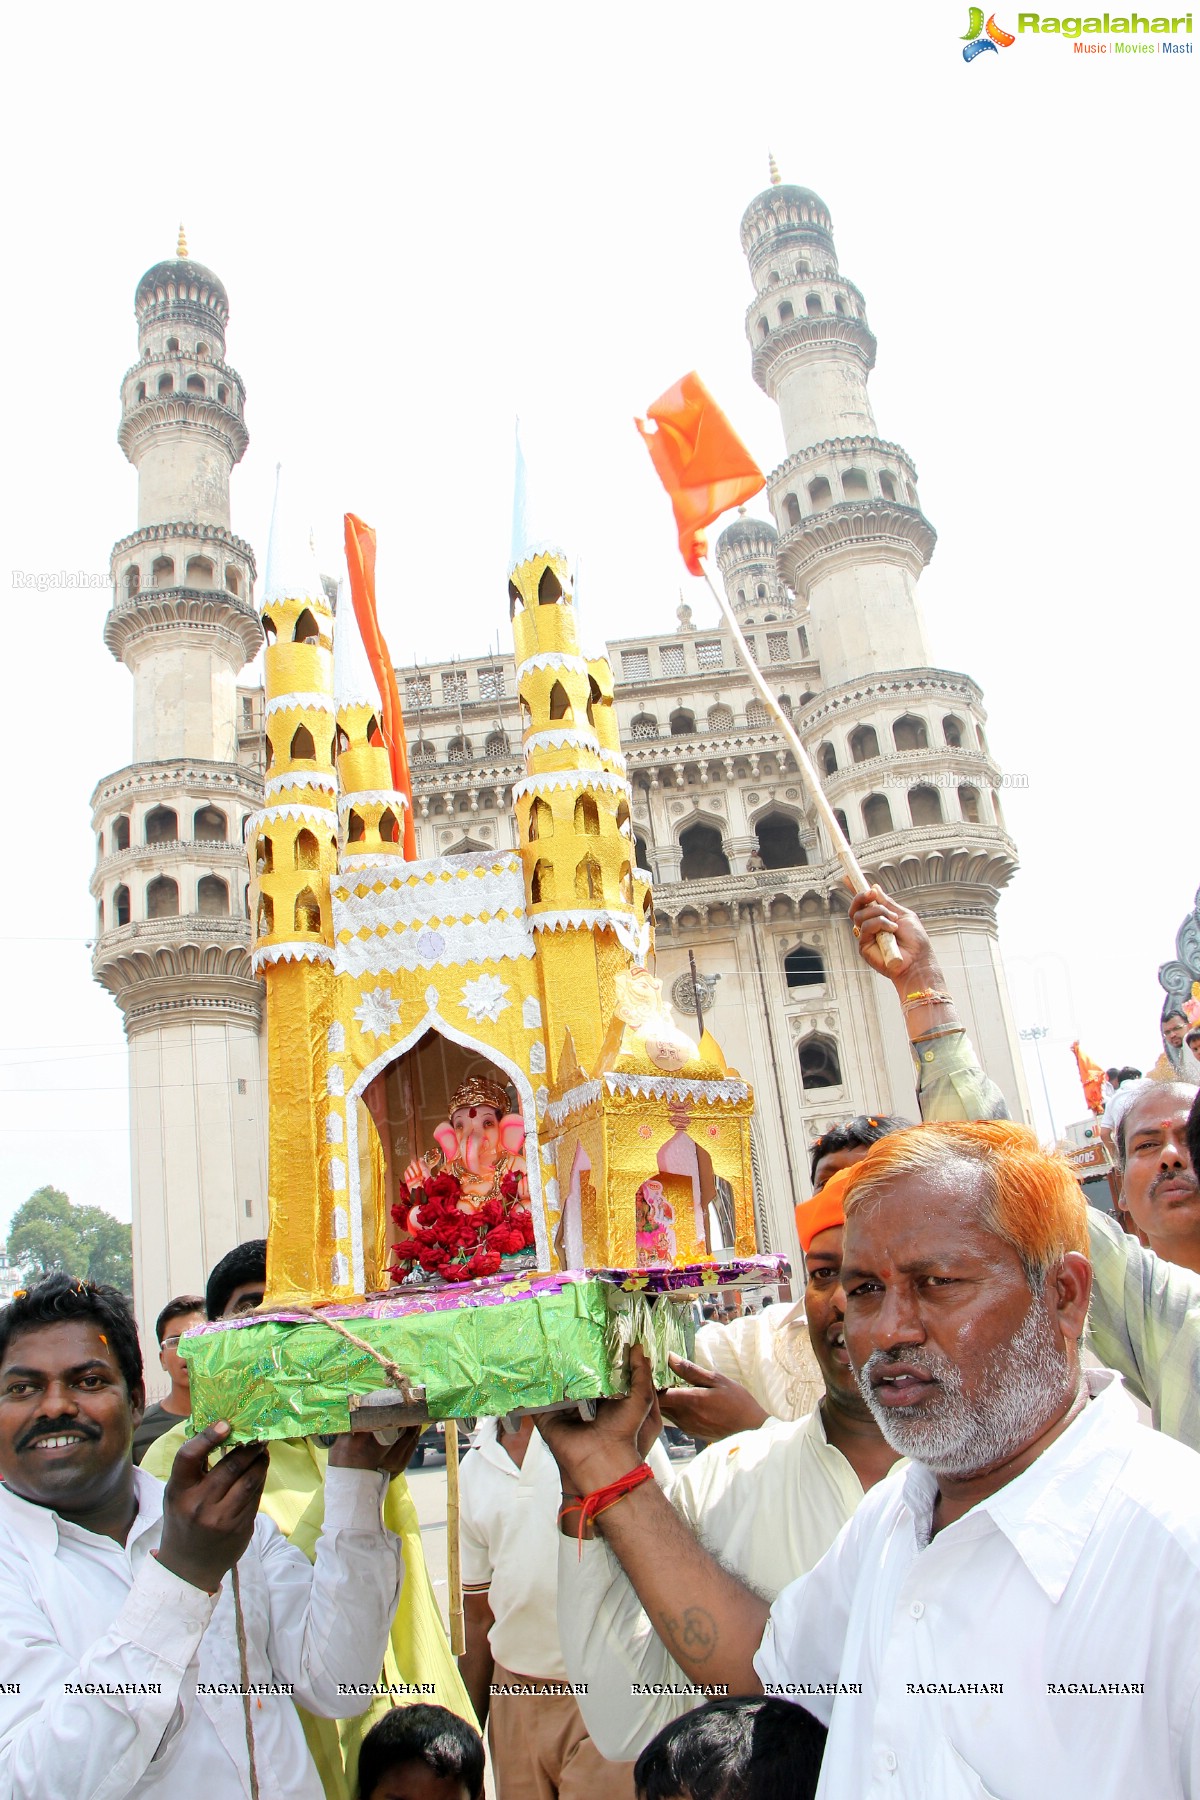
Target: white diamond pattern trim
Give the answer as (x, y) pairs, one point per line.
(277, 783)
(296, 702)
(370, 797)
(599, 779)
(290, 809)
(565, 737)
(669, 1087)
(554, 659)
(459, 945)
(584, 918)
(277, 953)
(574, 1100)
(455, 894)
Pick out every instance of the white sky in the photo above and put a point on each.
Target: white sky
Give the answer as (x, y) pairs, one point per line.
(431, 218)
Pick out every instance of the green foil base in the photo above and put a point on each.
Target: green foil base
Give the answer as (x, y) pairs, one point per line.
(275, 1379)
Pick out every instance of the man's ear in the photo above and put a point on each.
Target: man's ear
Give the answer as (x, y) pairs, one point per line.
(137, 1402)
(1072, 1289)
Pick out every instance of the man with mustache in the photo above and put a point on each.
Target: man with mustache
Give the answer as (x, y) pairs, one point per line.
(1012, 1614)
(151, 1638)
(1159, 1185)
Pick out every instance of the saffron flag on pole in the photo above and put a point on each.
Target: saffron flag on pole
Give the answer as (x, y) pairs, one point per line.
(700, 460)
(1092, 1077)
(360, 561)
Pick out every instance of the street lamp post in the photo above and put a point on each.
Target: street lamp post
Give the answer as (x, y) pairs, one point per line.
(1034, 1034)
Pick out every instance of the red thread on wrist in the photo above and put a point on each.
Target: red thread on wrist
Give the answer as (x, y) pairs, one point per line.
(592, 1505)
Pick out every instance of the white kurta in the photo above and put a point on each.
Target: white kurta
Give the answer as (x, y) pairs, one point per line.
(770, 1354)
(83, 1617)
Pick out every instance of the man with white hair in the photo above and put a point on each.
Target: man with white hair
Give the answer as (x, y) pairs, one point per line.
(1012, 1614)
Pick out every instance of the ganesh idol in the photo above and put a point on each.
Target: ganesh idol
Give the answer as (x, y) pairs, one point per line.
(463, 1208)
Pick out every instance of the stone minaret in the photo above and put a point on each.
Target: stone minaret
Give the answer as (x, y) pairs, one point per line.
(900, 743)
(173, 936)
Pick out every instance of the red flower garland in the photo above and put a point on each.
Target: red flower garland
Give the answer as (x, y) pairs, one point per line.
(456, 1245)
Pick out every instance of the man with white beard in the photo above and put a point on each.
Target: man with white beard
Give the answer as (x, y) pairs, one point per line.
(1014, 1613)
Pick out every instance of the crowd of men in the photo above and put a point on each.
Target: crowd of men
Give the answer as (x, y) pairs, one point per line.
(932, 1549)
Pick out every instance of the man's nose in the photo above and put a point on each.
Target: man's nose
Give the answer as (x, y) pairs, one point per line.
(1175, 1151)
(898, 1320)
(58, 1398)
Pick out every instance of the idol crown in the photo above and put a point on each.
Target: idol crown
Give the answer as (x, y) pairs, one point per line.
(478, 1092)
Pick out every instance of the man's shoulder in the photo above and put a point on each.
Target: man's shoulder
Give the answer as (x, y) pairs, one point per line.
(1160, 1481)
(726, 1463)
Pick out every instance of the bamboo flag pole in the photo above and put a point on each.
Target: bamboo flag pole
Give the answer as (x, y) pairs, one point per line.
(458, 1622)
(887, 944)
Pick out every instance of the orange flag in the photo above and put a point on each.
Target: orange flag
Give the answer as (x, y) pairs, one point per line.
(700, 460)
(360, 560)
(1092, 1077)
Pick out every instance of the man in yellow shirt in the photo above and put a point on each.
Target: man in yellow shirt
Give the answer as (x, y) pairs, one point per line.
(418, 1664)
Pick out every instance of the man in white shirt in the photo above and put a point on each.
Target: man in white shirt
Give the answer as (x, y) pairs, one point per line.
(121, 1670)
(1015, 1613)
(513, 1665)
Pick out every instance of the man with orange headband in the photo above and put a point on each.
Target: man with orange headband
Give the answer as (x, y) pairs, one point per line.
(1015, 1612)
(771, 1500)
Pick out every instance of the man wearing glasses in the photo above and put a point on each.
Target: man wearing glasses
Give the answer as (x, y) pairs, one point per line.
(176, 1317)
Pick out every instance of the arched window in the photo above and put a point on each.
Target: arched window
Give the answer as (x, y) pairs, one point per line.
(162, 571)
(968, 805)
(819, 1065)
(268, 625)
(996, 809)
(864, 744)
(195, 384)
(761, 591)
(924, 806)
(307, 630)
(423, 752)
(210, 826)
(587, 817)
(496, 744)
(786, 312)
(981, 739)
(791, 507)
(356, 827)
(703, 857)
(589, 882)
(541, 884)
(812, 306)
(839, 305)
(827, 756)
(233, 581)
(757, 716)
(877, 815)
(541, 821)
(162, 826)
(644, 726)
(515, 599)
(623, 816)
(764, 329)
(549, 588)
(909, 733)
(843, 826)
(641, 854)
(560, 704)
(804, 967)
(389, 827)
(952, 731)
(99, 917)
(683, 723)
(202, 349)
(121, 906)
(779, 842)
(173, 344)
(120, 833)
(785, 704)
(212, 897)
(222, 395)
(266, 915)
(307, 852)
(887, 486)
(166, 384)
(820, 493)
(854, 484)
(264, 856)
(133, 581)
(458, 750)
(162, 898)
(307, 916)
(302, 748)
(141, 390)
(720, 718)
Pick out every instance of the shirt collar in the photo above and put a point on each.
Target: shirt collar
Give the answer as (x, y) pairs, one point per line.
(1048, 1511)
(42, 1526)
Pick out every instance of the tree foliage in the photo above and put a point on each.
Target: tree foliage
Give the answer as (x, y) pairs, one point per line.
(48, 1233)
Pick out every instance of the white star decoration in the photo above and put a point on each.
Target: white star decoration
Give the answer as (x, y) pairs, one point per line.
(485, 998)
(378, 1013)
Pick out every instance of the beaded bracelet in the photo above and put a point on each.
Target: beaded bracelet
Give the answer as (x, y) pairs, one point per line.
(925, 997)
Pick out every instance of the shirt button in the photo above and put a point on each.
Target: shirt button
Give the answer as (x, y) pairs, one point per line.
(889, 1762)
(929, 1056)
(917, 1608)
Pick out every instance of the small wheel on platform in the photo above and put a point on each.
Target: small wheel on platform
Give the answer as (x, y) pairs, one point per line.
(587, 1410)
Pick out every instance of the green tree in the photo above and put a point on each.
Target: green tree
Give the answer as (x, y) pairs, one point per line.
(48, 1234)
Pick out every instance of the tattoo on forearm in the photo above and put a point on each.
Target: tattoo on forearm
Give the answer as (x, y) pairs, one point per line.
(692, 1636)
